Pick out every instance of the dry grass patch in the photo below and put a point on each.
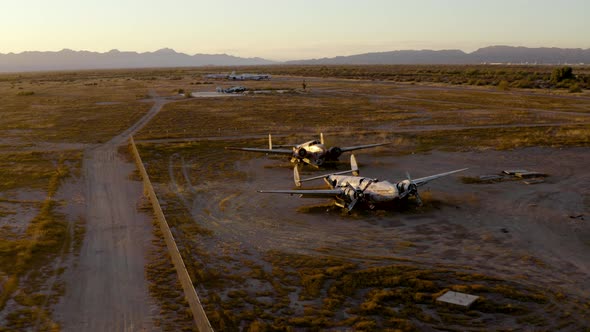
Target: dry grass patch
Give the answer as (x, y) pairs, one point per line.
(26, 259)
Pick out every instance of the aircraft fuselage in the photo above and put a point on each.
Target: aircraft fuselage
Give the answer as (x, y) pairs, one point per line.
(312, 152)
(375, 191)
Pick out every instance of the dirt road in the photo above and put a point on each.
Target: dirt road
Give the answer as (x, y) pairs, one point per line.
(106, 289)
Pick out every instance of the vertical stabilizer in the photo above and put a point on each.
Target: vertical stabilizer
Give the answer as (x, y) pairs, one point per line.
(296, 177)
(269, 142)
(354, 166)
(322, 138)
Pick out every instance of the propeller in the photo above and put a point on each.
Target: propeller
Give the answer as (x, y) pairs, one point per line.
(411, 190)
(358, 194)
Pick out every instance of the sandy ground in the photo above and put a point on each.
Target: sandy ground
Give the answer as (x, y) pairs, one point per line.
(106, 289)
(206, 94)
(504, 229)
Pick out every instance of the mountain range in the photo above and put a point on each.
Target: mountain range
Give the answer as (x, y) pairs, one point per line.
(490, 54)
(71, 60)
(68, 60)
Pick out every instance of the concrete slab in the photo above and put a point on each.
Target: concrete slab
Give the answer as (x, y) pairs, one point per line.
(458, 299)
(214, 94)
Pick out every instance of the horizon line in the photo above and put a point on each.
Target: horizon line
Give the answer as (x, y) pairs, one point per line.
(287, 60)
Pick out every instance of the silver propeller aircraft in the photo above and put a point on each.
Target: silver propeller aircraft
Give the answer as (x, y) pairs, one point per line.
(313, 152)
(348, 191)
(243, 77)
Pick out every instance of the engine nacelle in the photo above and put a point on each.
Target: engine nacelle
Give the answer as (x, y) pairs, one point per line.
(334, 152)
(406, 187)
(301, 152)
(403, 186)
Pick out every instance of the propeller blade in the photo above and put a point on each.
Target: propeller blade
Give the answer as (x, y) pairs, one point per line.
(367, 186)
(352, 204)
(350, 186)
(404, 194)
(418, 198)
(412, 188)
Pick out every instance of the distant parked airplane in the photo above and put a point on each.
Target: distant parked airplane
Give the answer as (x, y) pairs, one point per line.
(217, 76)
(243, 77)
(313, 152)
(234, 89)
(239, 77)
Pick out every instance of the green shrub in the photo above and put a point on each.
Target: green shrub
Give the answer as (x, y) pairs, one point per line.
(560, 74)
(575, 88)
(503, 86)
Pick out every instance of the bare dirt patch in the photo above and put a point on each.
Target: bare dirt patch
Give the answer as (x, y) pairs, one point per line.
(507, 234)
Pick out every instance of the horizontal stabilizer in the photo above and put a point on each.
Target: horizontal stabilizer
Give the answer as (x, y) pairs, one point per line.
(319, 193)
(354, 170)
(275, 151)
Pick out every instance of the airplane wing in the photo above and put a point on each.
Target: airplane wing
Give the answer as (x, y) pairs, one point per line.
(422, 181)
(311, 193)
(358, 147)
(276, 151)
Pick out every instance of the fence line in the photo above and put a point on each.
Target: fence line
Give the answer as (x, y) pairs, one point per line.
(190, 293)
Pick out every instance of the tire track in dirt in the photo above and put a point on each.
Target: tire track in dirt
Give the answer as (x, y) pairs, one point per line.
(262, 232)
(458, 232)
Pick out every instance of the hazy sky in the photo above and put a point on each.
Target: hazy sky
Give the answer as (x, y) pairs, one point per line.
(281, 29)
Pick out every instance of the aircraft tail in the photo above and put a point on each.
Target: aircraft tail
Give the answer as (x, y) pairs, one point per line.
(269, 142)
(296, 177)
(353, 169)
(322, 138)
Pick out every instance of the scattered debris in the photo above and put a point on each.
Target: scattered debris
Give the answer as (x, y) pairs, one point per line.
(513, 171)
(504, 230)
(531, 176)
(491, 177)
(527, 174)
(577, 216)
(457, 299)
(534, 181)
(235, 89)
